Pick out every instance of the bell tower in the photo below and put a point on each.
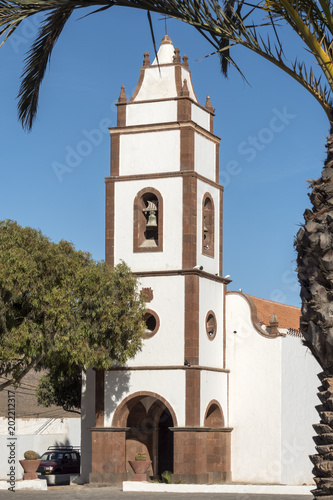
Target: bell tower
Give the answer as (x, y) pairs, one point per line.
(164, 219)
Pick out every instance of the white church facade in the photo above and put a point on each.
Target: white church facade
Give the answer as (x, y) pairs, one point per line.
(219, 393)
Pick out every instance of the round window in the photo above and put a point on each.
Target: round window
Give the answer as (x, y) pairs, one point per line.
(211, 325)
(152, 323)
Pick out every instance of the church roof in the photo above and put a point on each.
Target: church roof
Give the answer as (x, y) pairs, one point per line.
(287, 316)
(166, 77)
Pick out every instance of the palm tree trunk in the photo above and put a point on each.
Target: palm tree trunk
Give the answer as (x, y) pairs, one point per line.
(314, 244)
(323, 460)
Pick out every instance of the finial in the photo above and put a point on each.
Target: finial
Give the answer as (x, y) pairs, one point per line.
(176, 57)
(208, 104)
(122, 97)
(274, 323)
(185, 61)
(146, 61)
(184, 91)
(166, 40)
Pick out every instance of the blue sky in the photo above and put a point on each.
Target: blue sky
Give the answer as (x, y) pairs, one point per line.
(273, 139)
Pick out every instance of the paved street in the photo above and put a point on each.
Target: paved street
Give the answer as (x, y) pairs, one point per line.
(113, 493)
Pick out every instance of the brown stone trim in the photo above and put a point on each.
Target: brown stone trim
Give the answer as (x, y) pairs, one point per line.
(254, 317)
(145, 101)
(211, 127)
(189, 222)
(109, 223)
(192, 399)
(120, 416)
(217, 172)
(150, 312)
(139, 221)
(184, 109)
(187, 148)
(99, 397)
(115, 144)
(109, 429)
(167, 367)
(191, 351)
(162, 127)
(208, 220)
(178, 78)
(221, 233)
(201, 429)
(121, 114)
(183, 272)
(163, 175)
(138, 86)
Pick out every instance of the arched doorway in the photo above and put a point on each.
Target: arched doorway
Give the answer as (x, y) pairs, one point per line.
(148, 418)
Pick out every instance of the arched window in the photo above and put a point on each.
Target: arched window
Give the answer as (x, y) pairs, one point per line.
(214, 415)
(148, 221)
(208, 225)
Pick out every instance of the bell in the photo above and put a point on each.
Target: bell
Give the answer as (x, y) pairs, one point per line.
(152, 221)
(205, 227)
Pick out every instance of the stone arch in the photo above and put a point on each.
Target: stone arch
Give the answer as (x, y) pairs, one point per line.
(214, 417)
(122, 412)
(147, 418)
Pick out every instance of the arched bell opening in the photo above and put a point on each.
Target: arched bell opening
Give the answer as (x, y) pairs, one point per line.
(148, 420)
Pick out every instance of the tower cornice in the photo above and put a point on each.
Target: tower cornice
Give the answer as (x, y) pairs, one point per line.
(162, 127)
(150, 101)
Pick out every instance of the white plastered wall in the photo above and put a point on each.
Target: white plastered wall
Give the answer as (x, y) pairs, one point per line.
(200, 116)
(205, 156)
(158, 83)
(214, 386)
(35, 434)
(151, 112)
(299, 398)
(149, 152)
(255, 397)
(172, 193)
(210, 298)
(166, 347)
(187, 76)
(119, 385)
(210, 264)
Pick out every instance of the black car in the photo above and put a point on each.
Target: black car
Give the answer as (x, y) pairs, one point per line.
(60, 460)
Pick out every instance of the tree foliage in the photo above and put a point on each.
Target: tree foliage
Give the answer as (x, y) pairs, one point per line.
(62, 311)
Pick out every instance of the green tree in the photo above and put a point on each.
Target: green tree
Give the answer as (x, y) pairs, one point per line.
(62, 312)
(255, 27)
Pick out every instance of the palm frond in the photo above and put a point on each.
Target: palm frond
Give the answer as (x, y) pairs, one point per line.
(36, 63)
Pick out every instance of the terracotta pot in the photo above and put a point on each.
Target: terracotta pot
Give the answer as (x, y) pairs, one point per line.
(140, 468)
(30, 467)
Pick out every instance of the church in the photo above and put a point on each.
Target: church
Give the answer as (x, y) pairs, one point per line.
(223, 389)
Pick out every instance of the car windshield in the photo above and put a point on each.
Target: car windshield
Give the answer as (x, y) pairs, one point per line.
(51, 456)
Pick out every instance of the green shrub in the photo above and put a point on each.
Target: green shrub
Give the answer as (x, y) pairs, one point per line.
(140, 456)
(30, 455)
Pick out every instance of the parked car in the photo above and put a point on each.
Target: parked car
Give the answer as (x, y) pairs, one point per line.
(60, 460)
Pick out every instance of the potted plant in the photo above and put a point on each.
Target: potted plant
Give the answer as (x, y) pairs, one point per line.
(30, 464)
(140, 466)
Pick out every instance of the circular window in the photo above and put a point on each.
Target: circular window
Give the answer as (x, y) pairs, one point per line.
(211, 325)
(152, 323)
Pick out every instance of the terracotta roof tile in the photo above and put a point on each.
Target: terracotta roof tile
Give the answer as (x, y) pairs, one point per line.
(288, 316)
